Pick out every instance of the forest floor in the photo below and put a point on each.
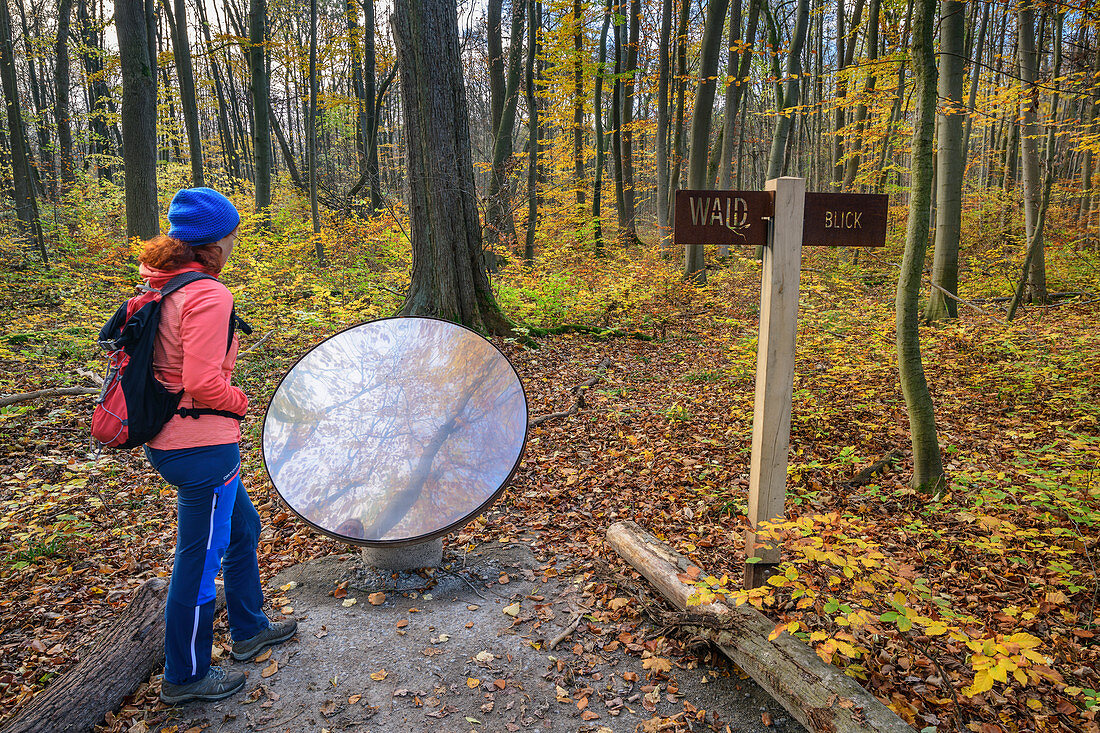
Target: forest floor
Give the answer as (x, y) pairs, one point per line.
(974, 611)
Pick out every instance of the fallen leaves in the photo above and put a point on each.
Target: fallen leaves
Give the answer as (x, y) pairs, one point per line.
(270, 669)
(377, 598)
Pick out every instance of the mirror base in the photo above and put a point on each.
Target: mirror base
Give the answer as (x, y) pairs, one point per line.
(406, 557)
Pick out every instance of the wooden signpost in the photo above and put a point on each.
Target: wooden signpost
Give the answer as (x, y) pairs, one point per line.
(796, 218)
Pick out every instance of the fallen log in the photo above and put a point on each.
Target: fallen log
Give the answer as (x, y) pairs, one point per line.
(818, 695)
(14, 399)
(116, 663)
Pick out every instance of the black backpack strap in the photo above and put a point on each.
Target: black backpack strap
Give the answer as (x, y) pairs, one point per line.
(182, 279)
(234, 322)
(197, 412)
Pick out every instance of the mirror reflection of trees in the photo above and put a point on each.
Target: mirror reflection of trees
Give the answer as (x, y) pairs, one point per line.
(395, 429)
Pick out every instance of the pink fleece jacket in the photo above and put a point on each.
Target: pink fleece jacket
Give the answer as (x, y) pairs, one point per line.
(190, 354)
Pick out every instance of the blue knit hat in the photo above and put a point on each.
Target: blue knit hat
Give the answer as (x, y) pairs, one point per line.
(201, 215)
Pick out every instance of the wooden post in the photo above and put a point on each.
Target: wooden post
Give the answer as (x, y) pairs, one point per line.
(771, 421)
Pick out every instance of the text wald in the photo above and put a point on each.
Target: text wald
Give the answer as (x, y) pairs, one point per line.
(740, 218)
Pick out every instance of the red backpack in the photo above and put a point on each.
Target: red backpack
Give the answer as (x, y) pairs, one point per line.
(133, 405)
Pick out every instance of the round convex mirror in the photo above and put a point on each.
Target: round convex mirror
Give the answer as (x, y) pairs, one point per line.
(395, 431)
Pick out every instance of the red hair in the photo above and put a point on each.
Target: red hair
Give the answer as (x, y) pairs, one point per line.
(165, 253)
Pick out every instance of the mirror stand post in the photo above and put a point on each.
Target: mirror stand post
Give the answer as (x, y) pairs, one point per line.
(405, 557)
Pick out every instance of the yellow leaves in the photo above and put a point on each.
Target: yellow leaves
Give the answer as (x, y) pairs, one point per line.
(996, 658)
(379, 675)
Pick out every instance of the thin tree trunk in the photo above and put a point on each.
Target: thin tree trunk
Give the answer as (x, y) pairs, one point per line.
(597, 189)
(61, 94)
(777, 159)
(26, 207)
(950, 165)
(928, 475)
(534, 16)
(664, 62)
(616, 126)
(363, 106)
(694, 264)
(1034, 211)
(261, 107)
(185, 77)
(629, 234)
(102, 106)
(45, 177)
(975, 77)
(311, 132)
(851, 168)
(578, 104)
(1093, 105)
(725, 159)
(681, 88)
(231, 160)
(499, 225)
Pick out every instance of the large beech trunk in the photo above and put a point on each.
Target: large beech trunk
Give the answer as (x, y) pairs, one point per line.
(120, 660)
(448, 277)
(815, 693)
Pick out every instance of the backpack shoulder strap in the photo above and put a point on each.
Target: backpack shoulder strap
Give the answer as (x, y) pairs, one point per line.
(182, 279)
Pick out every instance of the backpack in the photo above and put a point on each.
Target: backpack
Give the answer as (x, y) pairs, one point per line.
(133, 405)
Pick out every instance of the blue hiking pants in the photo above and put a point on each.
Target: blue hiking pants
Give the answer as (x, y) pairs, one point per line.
(217, 527)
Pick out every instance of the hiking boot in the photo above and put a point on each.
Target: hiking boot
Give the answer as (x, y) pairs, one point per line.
(275, 633)
(216, 685)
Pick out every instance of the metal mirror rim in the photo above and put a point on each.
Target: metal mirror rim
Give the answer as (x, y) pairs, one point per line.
(465, 519)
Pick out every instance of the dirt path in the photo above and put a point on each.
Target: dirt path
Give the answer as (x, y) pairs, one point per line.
(443, 652)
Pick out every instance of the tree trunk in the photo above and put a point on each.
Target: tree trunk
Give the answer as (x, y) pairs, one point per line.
(46, 177)
(928, 475)
(135, 24)
(1093, 106)
(597, 108)
(102, 106)
(448, 279)
(725, 159)
(628, 233)
(185, 77)
(950, 166)
(578, 104)
(1036, 192)
(26, 207)
(681, 88)
(363, 107)
(534, 17)
(664, 62)
(694, 265)
(119, 661)
(975, 76)
(61, 94)
(777, 159)
(500, 227)
(617, 122)
(232, 163)
(851, 168)
(311, 132)
(1028, 135)
(261, 107)
(375, 96)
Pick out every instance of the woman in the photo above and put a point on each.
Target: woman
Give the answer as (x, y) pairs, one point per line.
(200, 456)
